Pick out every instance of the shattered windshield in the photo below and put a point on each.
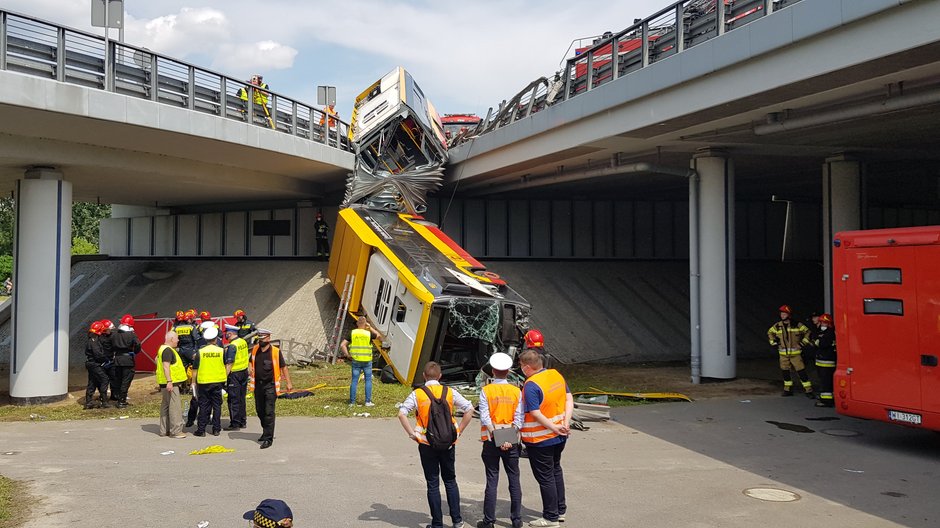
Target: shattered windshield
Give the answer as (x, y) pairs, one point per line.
(474, 318)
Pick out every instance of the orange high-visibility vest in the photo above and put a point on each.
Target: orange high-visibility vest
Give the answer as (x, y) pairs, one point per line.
(276, 359)
(552, 407)
(424, 410)
(502, 399)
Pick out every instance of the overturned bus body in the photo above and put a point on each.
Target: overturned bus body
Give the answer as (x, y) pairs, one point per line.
(427, 297)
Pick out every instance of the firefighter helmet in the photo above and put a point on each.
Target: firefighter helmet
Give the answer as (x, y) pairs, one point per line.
(785, 308)
(239, 313)
(97, 327)
(180, 315)
(107, 324)
(205, 315)
(534, 339)
(127, 320)
(825, 319)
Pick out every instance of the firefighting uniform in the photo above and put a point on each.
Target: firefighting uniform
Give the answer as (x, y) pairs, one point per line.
(826, 363)
(789, 337)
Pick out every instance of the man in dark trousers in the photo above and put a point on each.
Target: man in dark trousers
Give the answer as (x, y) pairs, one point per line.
(188, 333)
(95, 359)
(322, 230)
(236, 365)
(500, 408)
(208, 377)
(108, 346)
(264, 378)
(825, 360)
(126, 346)
(548, 408)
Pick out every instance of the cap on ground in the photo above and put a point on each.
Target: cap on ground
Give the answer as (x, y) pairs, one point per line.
(500, 361)
(210, 333)
(270, 513)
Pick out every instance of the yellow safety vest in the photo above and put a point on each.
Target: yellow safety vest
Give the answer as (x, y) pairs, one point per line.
(211, 365)
(177, 370)
(360, 349)
(241, 354)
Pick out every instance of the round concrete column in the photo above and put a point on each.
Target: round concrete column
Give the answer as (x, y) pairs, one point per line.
(842, 208)
(39, 355)
(716, 250)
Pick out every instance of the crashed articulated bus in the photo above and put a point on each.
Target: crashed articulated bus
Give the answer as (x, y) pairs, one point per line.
(426, 296)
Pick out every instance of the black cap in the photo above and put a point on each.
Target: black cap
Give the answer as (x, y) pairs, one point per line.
(269, 513)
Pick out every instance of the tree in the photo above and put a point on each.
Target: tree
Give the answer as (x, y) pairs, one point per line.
(85, 218)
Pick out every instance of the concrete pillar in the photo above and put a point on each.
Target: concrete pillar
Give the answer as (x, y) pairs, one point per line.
(716, 250)
(39, 356)
(842, 208)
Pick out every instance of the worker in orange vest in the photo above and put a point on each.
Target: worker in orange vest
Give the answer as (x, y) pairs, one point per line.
(437, 461)
(500, 408)
(264, 379)
(330, 111)
(548, 407)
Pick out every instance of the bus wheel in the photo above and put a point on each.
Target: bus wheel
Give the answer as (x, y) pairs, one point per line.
(388, 375)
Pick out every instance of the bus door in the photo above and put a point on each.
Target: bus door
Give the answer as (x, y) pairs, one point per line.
(405, 319)
(882, 307)
(928, 300)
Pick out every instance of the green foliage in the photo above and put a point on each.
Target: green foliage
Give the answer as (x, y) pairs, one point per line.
(6, 266)
(80, 246)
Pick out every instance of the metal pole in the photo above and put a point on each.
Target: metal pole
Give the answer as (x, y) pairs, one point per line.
(154, 78)
(191, 89)
(695, 315)
(590, 71)
(645, 46)
(107, 46)
(60, 55)
(720, 18)
(680, 28)
(615, 58)
(223, 98)
(3, 41)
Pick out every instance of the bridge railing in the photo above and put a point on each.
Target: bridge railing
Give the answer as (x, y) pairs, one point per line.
(35, 47)
(668, 32)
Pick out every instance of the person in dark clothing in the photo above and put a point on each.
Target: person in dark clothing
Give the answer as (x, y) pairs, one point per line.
(188, 333)
(108, 346)
(264, 378)
(95, 359)
(236, 365)
(245, 326)
(825, 360)
(126, 346)
(209, 377)
(322, 230)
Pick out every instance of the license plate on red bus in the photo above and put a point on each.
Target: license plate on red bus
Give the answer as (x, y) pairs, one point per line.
(905, 417)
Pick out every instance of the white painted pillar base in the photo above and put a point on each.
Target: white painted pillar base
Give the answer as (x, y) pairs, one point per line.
(39, 355)
(716, 249)
(842, 208)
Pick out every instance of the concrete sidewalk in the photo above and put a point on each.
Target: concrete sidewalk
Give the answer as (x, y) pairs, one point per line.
(365, 472)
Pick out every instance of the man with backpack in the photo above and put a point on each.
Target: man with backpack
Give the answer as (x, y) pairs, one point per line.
(436, 433)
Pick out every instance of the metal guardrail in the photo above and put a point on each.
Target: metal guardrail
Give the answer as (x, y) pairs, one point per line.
(668, 32)
(35, 47)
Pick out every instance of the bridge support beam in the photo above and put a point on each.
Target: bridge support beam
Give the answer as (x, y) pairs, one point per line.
(39, 355)
(842, 208)
(716, 251)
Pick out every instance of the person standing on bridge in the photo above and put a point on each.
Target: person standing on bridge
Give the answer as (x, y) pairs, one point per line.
(126, 346)
(236, 365)
(171, 373)
(789, 338)
(209, 374)
(358, 348)
(322, 231)
(260, 96)
(264, 379)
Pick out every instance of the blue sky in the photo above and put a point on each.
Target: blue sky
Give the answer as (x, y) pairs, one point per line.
(467, 56)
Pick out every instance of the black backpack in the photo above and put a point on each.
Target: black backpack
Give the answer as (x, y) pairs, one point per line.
(441, 433)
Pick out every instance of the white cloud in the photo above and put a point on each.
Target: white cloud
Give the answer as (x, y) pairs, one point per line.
(256, 56)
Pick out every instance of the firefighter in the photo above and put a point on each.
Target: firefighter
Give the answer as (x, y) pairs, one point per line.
(825, 360)
(809, 351)
(105, 340)
(189, 335)
(245, 326)
(535, 341)
(322, 230)
(95, 359)
(126, 346)
(236, 367)
(205, 322)
(209, 374)
(789, 338)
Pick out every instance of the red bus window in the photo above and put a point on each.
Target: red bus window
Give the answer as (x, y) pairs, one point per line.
(883, 306)
(881, 276)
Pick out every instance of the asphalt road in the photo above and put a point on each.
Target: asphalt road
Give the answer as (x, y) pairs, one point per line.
(670, 465)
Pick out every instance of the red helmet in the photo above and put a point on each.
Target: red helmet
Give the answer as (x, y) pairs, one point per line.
(127, 320)
(107, 324)
(97, 327)
(205, 315)
(191, 313)
(785, 309)
(825, 319)
(239, 313)
(180, 315)
(534, 339)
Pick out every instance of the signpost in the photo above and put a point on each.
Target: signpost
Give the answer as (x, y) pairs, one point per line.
(108, 14)
(326, 95)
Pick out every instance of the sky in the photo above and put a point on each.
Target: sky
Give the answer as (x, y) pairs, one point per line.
(466, 55)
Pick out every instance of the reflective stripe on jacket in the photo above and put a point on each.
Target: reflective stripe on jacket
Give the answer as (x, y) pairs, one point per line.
(552, 407)
(276, 361)
(211, 365)
(177, 370)
(788, 338)
(241, 354)
(360, 347)
(423, 411)
(503, 400)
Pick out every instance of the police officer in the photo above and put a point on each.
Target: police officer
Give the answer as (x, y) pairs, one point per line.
(208, 376)
(825, 360)
(264, 379)
(95, 359)
(245, 326)
(789, 338)
(126, 346)
(189, 334)
(236, 365)
(322, 230)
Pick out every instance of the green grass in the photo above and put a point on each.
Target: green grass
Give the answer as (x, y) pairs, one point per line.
(13, 503)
